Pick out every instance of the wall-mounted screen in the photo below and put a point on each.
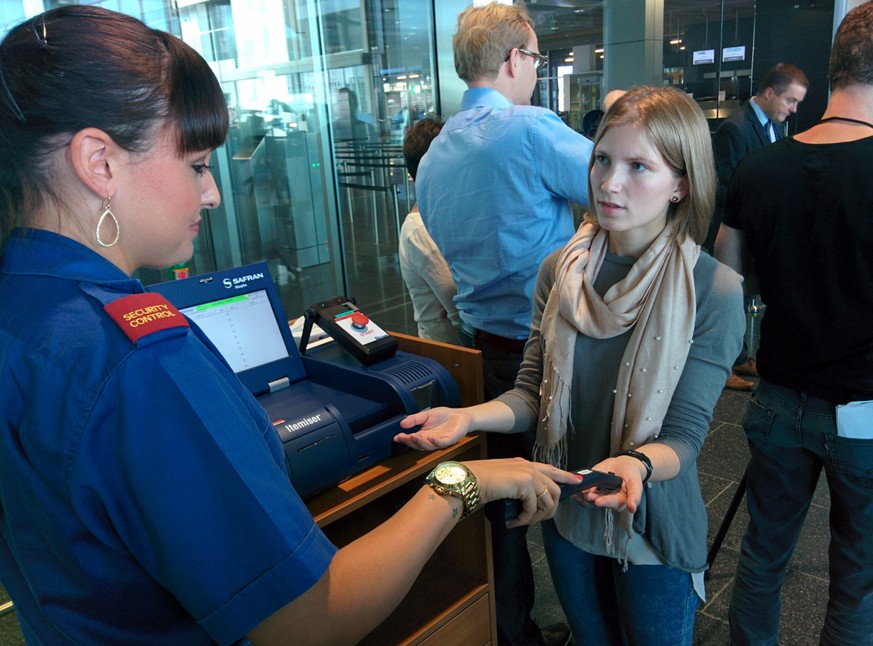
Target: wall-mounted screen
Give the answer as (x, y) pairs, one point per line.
(729, 54)
(703, 56)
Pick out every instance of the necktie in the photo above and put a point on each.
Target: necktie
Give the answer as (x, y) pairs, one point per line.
(772, 131)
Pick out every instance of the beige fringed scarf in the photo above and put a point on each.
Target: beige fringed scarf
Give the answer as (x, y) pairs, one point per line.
(656, 299)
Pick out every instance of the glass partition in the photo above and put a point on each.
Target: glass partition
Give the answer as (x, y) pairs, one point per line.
(320, 95)
(709, 51)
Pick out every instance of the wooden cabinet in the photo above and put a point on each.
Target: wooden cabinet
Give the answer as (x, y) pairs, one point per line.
(451, 602)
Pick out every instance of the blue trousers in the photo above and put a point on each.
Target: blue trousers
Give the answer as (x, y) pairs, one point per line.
(646, 605)
(792, 436)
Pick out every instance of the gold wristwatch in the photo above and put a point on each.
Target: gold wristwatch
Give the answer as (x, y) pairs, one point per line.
(454, 479)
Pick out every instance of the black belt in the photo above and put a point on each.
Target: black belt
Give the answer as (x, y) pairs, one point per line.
(515, 346)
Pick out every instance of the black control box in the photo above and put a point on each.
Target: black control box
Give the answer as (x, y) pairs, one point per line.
(351, 328)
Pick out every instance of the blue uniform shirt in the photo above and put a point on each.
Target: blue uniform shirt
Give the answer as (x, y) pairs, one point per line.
(494, 191)
(143, 490)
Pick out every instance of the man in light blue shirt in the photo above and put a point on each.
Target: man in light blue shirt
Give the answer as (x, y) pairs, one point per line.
(494, 191)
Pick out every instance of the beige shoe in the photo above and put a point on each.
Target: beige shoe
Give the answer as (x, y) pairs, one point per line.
(748, 368)
(735, 382)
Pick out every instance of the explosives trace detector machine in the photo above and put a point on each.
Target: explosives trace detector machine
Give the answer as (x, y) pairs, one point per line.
(336, 409)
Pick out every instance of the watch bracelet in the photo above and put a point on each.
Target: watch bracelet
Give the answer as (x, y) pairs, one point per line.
(642, 457)
(470, 496)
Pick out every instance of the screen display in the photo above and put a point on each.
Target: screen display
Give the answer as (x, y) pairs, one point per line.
(703, 56)
(729, 54)
(242, 327)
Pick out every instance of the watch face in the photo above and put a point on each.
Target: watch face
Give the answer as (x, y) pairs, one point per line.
(450, 474)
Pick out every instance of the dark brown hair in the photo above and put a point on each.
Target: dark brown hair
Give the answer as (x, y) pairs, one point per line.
(418, 140)
(82, 66)
(780, 76)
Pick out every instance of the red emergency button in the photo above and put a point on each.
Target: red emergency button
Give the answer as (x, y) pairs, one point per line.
(359, 320)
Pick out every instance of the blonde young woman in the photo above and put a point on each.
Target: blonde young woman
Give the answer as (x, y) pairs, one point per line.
(633, 335)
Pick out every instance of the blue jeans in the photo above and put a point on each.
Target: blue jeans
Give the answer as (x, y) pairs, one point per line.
(649, 605)
(792, 436)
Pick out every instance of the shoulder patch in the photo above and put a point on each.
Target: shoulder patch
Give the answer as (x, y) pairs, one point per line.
(141, 314)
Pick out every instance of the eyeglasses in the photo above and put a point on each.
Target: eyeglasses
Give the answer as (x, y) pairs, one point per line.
(539, 59)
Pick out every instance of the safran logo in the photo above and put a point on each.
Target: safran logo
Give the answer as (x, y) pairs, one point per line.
(238, 282)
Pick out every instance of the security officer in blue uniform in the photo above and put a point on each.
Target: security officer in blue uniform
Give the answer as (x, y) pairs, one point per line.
(125, 460)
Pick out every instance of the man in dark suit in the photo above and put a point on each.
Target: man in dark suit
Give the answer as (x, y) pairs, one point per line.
(758, 122)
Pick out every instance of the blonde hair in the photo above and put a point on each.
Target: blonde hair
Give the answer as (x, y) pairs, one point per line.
(675, 125)
(485, 37)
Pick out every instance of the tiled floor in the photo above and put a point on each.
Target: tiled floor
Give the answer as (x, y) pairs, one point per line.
(10, 634)
(721, 466)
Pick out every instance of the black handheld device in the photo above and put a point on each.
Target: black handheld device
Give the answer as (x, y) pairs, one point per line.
(603, 482)
(350, 327)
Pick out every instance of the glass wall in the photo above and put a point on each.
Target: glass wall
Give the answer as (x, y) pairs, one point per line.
(720, 50)
(312, 173)
(320, 95)
(709, 52)
(717, 50)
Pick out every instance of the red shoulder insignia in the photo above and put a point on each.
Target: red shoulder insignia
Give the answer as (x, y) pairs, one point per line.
(141, 314)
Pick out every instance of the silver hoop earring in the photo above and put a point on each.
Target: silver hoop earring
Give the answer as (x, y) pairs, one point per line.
(675, 199)
(107, 212)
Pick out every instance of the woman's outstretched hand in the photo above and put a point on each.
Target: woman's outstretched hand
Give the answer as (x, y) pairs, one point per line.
(440, 428)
